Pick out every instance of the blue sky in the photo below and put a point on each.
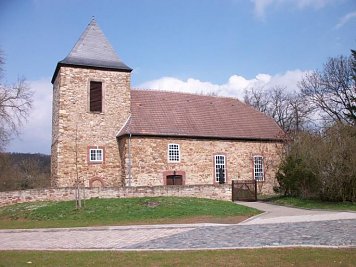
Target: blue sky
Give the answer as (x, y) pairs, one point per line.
(223, 46)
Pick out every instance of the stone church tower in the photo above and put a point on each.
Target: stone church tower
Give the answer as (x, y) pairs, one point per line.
(91, 103)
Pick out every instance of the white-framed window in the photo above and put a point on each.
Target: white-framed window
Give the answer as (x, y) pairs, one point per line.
(258, 174)
(96, 155)
(219, 163)
(173, 153)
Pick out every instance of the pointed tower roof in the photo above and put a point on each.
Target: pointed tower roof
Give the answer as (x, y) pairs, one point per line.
(93, 50)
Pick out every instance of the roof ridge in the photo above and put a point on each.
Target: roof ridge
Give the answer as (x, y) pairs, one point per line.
(186, 93)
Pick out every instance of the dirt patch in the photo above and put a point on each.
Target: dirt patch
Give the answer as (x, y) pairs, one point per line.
(151, 204)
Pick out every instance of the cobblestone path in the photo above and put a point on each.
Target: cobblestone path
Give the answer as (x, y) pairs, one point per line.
(334, 233)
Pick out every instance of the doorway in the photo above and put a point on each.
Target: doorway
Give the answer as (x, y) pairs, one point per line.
(174, 180)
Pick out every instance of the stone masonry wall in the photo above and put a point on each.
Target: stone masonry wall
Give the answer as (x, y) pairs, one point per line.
(221, 192)
(75, 129)
(149, 161)
(55, 132)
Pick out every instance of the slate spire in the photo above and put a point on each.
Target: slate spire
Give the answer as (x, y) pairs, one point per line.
(93, 50)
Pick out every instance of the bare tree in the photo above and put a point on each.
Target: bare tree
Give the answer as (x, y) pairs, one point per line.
(352, 114)
(15, 104)
(332, 91)
(279, 107)
(258, 98)
(2, 63)
(289, 110)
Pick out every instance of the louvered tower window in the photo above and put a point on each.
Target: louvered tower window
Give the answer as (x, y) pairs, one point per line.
(96, 97)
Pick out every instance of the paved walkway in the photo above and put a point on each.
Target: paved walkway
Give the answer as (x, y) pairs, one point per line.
(278, 227)
(280, 214)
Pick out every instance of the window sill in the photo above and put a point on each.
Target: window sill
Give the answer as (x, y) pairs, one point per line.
(95, 162)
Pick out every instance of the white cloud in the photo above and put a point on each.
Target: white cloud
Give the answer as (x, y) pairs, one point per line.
(289, 79)
(234, 86)
(36, 134)
(343, 20)
(312, 3)
(260, 6)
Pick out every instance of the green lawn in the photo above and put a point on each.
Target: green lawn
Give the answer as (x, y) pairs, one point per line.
(122, 212)
(257, 257)
(311, 204)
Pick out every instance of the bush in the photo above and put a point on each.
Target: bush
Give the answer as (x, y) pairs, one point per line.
(338, 164)
(295, 175)
(321, 165)
(296, 179)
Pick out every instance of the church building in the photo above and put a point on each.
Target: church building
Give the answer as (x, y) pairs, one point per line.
(107, 134)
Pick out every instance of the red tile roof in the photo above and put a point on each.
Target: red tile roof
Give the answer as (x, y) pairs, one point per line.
(160, 113)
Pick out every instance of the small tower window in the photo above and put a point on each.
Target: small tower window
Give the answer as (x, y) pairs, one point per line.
(96, 154)
(96, 97)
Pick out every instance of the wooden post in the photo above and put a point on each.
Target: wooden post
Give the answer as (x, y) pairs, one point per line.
(255, 190)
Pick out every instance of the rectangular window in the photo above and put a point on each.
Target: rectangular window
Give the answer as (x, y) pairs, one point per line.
(258, 168)
(220, 167)
(96, 155)
(96, 97)
(173, 153)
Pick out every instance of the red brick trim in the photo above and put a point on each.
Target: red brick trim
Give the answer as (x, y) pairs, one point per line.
(167, 173)
(94, 179)
(88, 154)
(226, 169)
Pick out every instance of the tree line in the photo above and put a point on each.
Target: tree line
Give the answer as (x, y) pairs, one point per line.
(320, 122)
(19, 171)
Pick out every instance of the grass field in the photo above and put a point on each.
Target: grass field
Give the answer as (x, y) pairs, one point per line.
(311, 204)
(122, 212)
(257, 257)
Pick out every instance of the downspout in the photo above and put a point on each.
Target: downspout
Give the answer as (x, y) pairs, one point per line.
(129, 155)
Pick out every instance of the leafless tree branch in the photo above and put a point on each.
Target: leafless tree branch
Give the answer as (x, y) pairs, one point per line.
(15, 105)
(289, 110)
(332, 90)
